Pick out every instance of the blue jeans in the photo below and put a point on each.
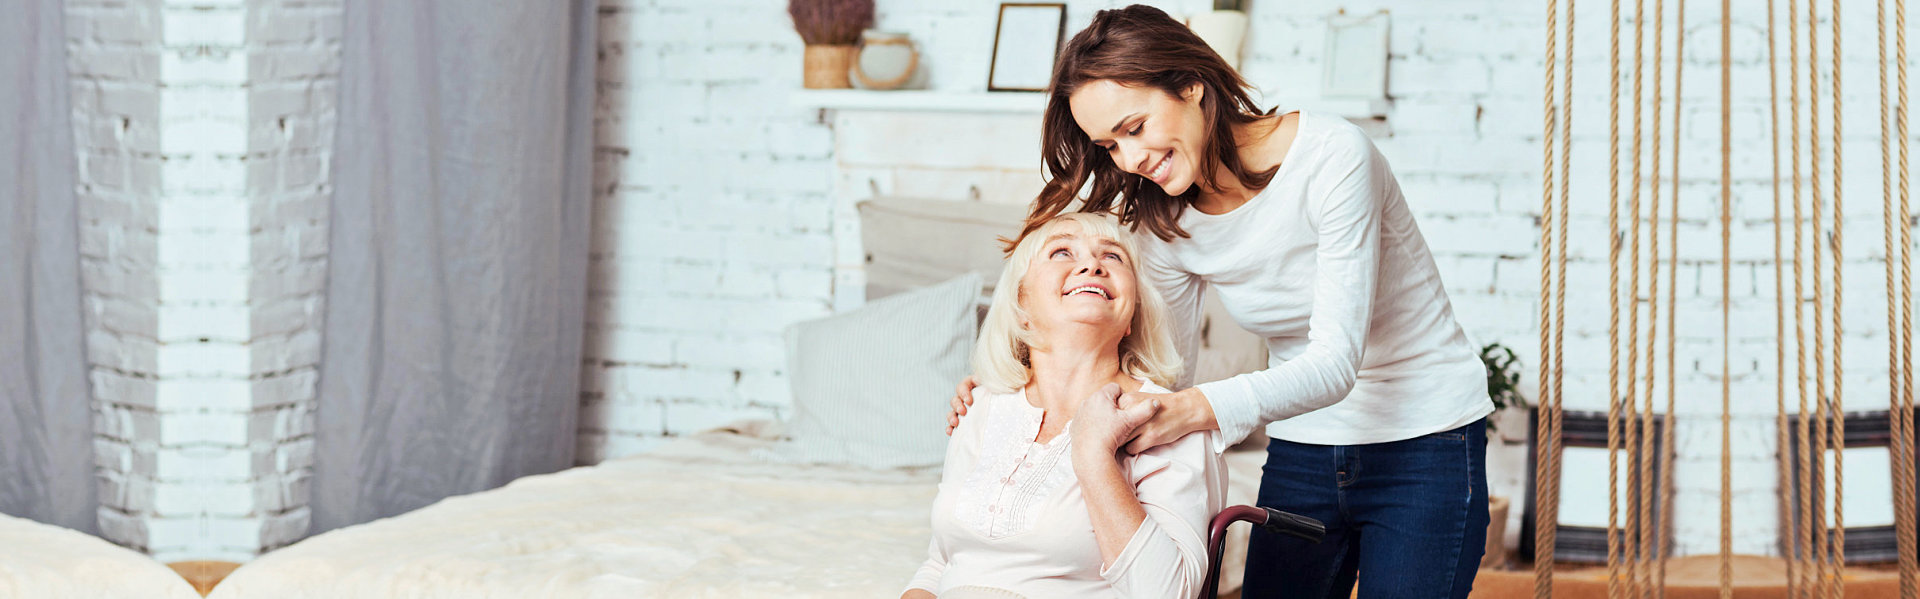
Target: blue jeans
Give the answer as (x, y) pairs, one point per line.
(1411, 515)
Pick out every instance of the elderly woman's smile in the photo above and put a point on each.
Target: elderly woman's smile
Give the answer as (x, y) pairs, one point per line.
(1091, 289)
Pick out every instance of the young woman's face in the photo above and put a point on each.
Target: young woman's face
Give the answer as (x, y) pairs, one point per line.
(1079, 278)
(1146, 131)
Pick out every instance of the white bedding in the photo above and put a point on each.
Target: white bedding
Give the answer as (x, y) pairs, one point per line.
(699, 517)
(45, 561)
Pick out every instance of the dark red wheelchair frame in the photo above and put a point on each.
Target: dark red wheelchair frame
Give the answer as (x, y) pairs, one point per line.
(1274, 521)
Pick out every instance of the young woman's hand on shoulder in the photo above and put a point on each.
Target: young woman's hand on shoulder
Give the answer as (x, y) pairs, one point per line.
(962, 397)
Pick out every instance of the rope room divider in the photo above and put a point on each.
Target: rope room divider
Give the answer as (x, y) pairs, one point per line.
(1809, 439)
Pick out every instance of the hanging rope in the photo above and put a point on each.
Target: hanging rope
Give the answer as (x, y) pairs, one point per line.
(1673, 257)
(1547, 458)
(1632, 542)
(1902, 413)
(1780, 298)
(1613, 308)
(1546, 481)
(1726, 298)
(1899, 296)
(1649, 549)
(1822, 540)
(1803, 507)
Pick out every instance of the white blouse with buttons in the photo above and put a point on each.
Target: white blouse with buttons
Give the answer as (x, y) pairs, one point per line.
(1010, 514)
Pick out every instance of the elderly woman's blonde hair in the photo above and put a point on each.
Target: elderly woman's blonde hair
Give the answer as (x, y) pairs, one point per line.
(1000, 357)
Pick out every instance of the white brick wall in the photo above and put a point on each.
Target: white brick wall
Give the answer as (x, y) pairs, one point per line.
(716, 225)
(204, 129)
(114, 58)
(204, 266)
(293, 68)
(696, 268)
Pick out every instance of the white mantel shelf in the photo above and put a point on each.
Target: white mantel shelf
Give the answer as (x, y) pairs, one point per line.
(1017, 102)
(919, 100)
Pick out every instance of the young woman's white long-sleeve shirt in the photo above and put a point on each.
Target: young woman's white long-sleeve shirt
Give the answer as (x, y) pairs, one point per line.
(1010, 514)
(1327, 265)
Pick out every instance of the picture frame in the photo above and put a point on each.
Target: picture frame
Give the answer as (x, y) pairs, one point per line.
(1355, 65)
(1026, 41)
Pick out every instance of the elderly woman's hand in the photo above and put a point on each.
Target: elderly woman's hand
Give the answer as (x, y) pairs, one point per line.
(1100, 426)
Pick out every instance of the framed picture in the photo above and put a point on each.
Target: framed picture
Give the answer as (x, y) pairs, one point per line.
(1356, 57)
(1025, 42)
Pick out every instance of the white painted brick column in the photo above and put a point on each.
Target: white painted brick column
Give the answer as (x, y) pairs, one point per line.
(293, 67)
(204, 129)
(202, 506)
(114, 53)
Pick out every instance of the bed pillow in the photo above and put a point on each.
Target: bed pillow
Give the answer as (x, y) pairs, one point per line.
(870, 387)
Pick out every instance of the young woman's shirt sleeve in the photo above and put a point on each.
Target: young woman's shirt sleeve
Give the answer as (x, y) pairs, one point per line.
(1183, 292)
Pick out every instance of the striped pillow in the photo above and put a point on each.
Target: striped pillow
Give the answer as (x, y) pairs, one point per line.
(870, 387)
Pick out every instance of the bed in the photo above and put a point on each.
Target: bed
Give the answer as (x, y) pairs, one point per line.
(702, 516)
(42, 560)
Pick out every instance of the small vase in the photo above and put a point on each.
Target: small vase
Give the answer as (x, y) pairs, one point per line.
(827, 66)
(887, 60)
(1224, 31)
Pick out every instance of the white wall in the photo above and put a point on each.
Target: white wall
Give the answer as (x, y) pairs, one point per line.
(711, 220)
(713, 209)
(114, 59)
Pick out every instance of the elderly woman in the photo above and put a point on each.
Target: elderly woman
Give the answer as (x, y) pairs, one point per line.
(1037, 499)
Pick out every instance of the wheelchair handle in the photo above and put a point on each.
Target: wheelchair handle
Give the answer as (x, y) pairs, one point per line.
(1272, 520)
(1307, 529)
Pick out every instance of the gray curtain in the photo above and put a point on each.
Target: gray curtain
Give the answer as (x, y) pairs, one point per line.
(46, 432)
(456, 290)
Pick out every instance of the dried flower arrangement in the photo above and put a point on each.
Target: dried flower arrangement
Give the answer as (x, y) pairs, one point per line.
(831, 28)
(830, 22)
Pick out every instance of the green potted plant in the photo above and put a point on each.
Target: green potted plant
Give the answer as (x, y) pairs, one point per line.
(831, 30)
(1503, 381)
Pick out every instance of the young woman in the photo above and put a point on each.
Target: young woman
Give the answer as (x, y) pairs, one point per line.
(1036, 499)
(1373, 397)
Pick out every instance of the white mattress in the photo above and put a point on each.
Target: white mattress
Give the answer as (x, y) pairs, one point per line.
(699, 517)
(45, 561)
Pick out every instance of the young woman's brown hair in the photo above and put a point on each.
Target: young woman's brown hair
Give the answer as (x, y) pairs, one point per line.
(1139, 46)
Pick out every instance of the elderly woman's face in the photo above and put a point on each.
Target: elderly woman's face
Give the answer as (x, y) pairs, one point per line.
(1079, 278)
